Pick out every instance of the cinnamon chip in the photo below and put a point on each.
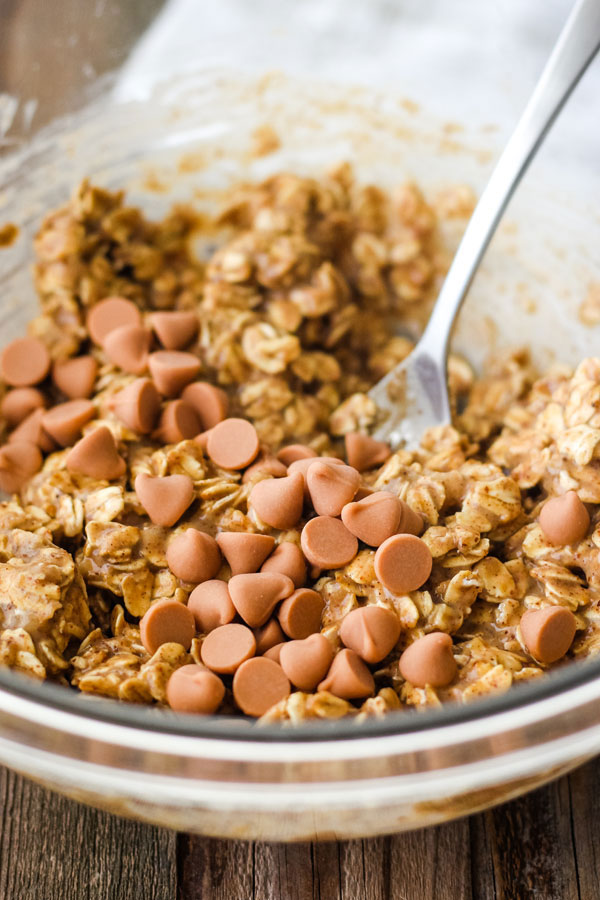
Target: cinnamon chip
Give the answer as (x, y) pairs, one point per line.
(137, 405)
(210, 603)
(564, 520)
(175, 330)
(227, 647)
(96, 455)
(348, 677)
(268, 636)
(164, 499)
(293, 452)
(194, 689)
(31, 430)
(429, 660)
(127, 347)
(331, 487)
(258, 685)
(64, 422)
(233, 444)
(403, 563)
(245, 552)
(327, 543)
(548, 632)
(375, 518)
(19, 403)
(364, 452)
(75, 377)
(110, 314)
(24, 362)
(172, 370)
(300, 614)
(178, 422)
(278, 501)
(288, 559)
(167, 622)
(255, 596)
(210, 402)
(306, 662)
(18, 462)
(371, 631)
(193, 556)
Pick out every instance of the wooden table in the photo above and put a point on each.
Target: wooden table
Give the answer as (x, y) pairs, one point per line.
(545, 846)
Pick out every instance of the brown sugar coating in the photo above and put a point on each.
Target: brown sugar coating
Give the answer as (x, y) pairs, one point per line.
(210, 603)
(243, 551)
(194, 689)
(371, 631)
(327, 543)
(110, 314)
(258, 685)
(331, 487)
(24, 362)
(227, 647)
(127, 347)
(233, 444)
(18, 404)
(348, 677)
(255, 596)
(18, 462)
(97, 456)
(166, 498)
(172, 370)
(64, 422)
(375, 518)
(300, 614)
(75, 377)
(364, 452)
(175, 330)
(306, 662)
(193, 556)
(429, 661)
(178, 422)
(548, 632)
(137, 405)
(403, 563)
(167, 622)
(288, 559)
(564, 520)
(210, 402)
(278, 501)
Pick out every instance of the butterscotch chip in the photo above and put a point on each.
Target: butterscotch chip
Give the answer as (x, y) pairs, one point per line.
(172, 370)
(410, 521)
(210, 603)
(245, 552)
(194, 689)
(429, 660)
(293, 452)
(371, 631)
(274, 653)
(564, 520)
(548, 632)
(300, 614)
(306, 662)
(110, 314)
(127, 347)
(175, 330)
(96, 455)
(227, 647)
(233, 444)
(348, 677)
(258, 685)
(31, 430)
(278, 501)
(209, 401)
(302, 466)
(64, 422)
(288, 559)
(255, 596)
(327, 543)
(178, 422)
(268, 636)
(164, 499)
(374, 518)
(24, 362)
(331, 487)
(193, 556)
(137, 405)
(18, 462)
(167, 622)
(18, 404)
(403, 563)
(75, 377)
(265, 465)
(364, 452)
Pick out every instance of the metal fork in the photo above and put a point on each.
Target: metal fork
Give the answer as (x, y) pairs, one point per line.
(414, 395)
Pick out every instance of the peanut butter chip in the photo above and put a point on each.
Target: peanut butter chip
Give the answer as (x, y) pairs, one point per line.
(96, 455)
(167, 622)
(364, 452)
(306, 662)
(564, 520)
(373, 519)
(429, 660)
(233, 444)
(331, 487)
(403, 563)
(193, 689)
(18, 462)
(348, 677)
(300, 614)
(127, 347)
(137, 405)
(264, 466)
(548, 633)
(278, 501)
(172, 370)
(227, 647)
(210, 402)
(258, 685)
(327, 543)
(211, 605)
(371, 631)
(164, 499)
(245, 552)
(18, 404)
(178, 422)
(175, 330)
(110, 314)
(24, 362)
(65, 421)
(292, 452)
(255, 596)
(75, 377)
(268, 636)
(31, 430)
(193, 556)
(288, 559)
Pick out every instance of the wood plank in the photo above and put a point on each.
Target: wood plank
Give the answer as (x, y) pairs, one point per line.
(54, 849)
(431, 864)
(584, 788)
